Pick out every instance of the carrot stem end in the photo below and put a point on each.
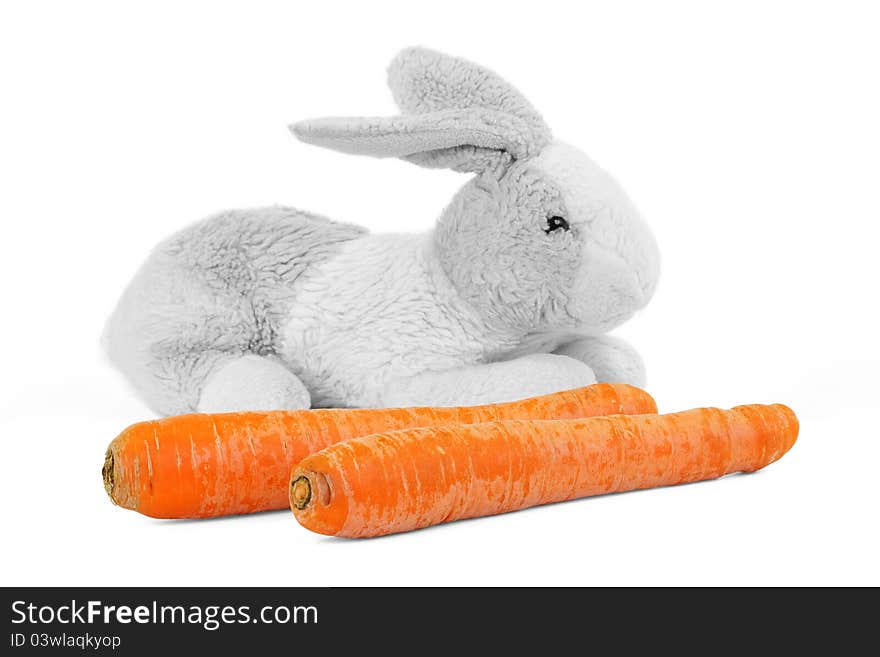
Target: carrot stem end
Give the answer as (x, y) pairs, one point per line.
(107, 474)
(301, 492)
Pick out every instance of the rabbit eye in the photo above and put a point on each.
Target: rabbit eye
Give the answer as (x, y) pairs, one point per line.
(556, 223)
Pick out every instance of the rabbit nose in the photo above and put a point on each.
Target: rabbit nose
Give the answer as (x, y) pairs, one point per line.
(626, 290)
(609, 290)
(631, 281)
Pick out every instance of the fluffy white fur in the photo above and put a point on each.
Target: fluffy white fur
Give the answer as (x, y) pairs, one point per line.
(276, 308)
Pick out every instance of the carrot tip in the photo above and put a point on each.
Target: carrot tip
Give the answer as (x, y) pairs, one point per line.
(107, 474)
(301, 492)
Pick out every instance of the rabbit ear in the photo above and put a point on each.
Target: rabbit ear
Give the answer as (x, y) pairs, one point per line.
(471, 139)
(455, 115)
(423, 81)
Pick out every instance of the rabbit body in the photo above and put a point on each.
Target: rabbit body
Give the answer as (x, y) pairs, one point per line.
(510, 295)
(369, 323)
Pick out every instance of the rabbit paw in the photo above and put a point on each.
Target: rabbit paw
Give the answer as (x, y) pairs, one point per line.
(252, 383)
(489, 383)
(613, 360)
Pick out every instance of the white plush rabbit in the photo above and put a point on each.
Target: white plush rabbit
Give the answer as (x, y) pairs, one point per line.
(510, 295)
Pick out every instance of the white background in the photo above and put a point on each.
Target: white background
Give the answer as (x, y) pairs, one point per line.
(747, 133)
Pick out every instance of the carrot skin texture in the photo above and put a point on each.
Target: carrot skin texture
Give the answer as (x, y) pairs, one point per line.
(208, 465)
(404, 480)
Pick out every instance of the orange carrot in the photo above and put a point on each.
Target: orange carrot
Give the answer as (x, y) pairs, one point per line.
(403, 480)
(200, 465)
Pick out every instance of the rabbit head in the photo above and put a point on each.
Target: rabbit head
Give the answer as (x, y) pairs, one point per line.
(541, 238)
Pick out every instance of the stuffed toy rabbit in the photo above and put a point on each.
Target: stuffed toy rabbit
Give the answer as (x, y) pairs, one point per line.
(510, 295)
